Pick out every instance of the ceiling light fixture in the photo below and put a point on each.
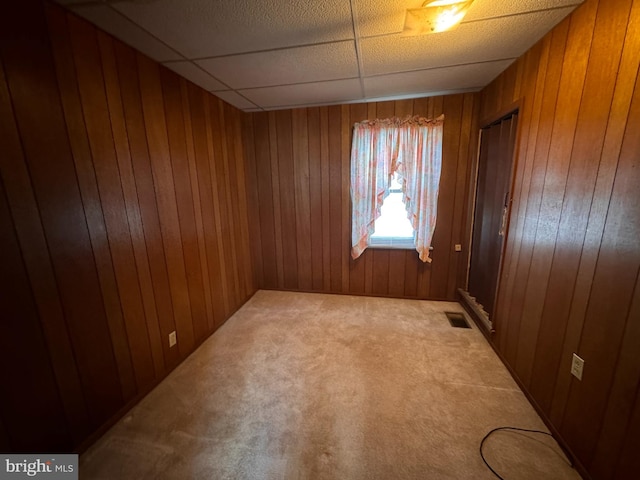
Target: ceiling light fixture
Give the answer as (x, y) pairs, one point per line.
(435, 16)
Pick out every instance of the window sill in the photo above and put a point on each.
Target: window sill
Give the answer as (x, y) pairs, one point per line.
(393, 243)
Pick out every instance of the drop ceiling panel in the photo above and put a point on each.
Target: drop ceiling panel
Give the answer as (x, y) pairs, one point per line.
(262, 54)
(198, 76)
(235, 99)
(305, 94)
(496, 39)
(464, 77)
(329, 61)
(484, 10)
(376, 17)
(205, 28)
(120, 27)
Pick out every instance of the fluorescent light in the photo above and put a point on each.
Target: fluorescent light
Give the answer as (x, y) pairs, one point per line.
(436, 16)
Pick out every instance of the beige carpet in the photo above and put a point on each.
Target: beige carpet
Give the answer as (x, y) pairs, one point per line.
(310, 386)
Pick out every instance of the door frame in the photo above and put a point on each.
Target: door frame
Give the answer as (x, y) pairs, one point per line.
(479, 314)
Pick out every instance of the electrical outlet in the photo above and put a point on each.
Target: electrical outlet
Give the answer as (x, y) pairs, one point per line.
(457, 247)
(172, 339)
(577, 365)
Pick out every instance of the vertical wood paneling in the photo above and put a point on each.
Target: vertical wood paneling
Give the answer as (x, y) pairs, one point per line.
(29, 394)
(618, 261)
(123, 156)
(529, 64)
(172, 95)
(442, 237)
(302, 209)
(315, 197)
(225, 175)
(248, 137)
(141, 163)
(346, 205)
(325, 161)
(30, 231)
(287, 180)
(124, 217)
(535, 164)
(572, 80)
(570, 282)
(317, 250)
(460, 198)
(275, 189)
(101, 144)
(197, 205)
(265, 200)
(70, 97)
(35, 98)
(629, 460)
(224, 189)
(207, 211)
(335, 198)
(237, 165)
(214, 153)
(540, 230)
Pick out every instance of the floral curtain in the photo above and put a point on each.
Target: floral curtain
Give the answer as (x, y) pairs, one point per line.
(412, 147)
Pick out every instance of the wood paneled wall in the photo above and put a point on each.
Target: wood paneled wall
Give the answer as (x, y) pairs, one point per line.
(298, 167)
(123, 217)
(570, 279)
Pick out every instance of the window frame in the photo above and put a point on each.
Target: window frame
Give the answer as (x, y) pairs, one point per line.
(394, 242)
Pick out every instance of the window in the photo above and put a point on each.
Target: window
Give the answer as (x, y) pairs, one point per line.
(395, 166)
(393, 228)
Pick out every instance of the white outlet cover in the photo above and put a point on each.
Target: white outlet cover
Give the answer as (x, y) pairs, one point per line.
(172, 339)
(577, 366)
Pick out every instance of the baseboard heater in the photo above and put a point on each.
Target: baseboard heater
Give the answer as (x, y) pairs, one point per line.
(476, 309)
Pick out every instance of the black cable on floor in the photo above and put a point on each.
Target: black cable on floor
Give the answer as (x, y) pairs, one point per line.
(508, 429)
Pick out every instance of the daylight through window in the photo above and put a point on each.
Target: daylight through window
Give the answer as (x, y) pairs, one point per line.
(395, 175)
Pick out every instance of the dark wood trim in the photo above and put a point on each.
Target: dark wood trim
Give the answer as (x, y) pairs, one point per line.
(504, 112)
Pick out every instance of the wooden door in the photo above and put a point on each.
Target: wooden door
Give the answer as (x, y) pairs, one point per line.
(493, 199)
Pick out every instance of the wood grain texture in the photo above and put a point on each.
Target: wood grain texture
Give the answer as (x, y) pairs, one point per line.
(308, 201)
(571, 266)
(37, 259)
(124, 217)
(40, 123)
(30, 398)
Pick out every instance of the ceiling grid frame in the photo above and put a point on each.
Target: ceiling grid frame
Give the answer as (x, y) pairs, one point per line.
(277, 54)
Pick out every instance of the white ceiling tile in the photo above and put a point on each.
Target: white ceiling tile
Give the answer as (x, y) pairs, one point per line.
(112, 22)
(235, 99)
(482, 9)
(381, 17)
(495, 39)
(194, 73)
(462, 77)
(306, 94)
(285, 53)
(329, 61)
(205, 28)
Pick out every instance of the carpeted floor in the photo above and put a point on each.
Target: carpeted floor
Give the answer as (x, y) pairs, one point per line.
(310, 386)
